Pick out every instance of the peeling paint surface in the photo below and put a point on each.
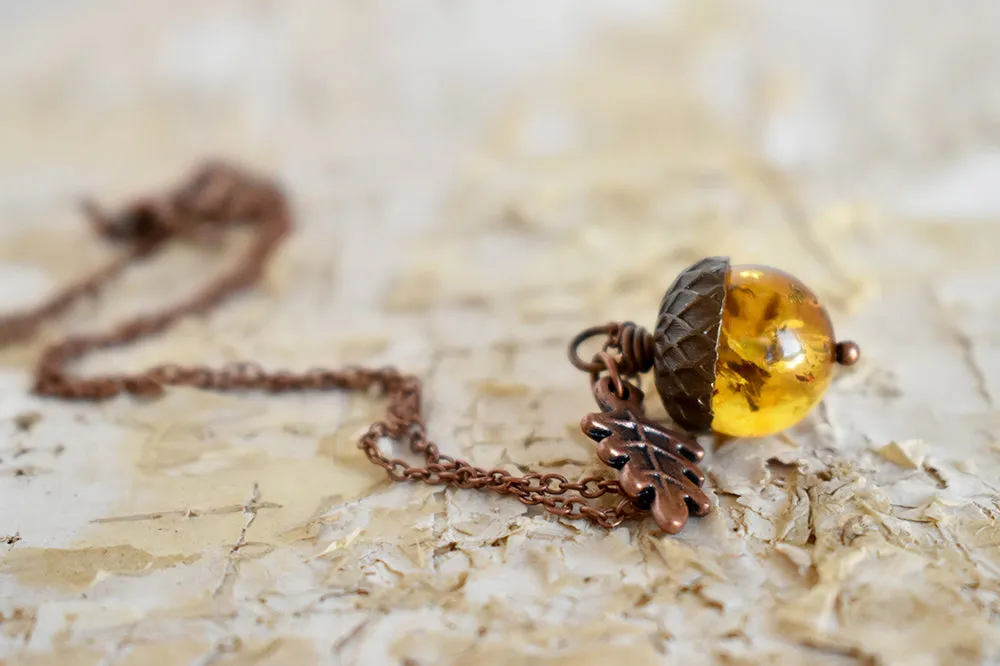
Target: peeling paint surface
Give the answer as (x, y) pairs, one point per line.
(459, 172)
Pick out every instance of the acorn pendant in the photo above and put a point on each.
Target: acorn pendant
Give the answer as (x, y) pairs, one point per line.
(742, 351)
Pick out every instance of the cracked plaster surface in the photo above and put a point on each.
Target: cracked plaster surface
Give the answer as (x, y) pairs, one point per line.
(474, 183)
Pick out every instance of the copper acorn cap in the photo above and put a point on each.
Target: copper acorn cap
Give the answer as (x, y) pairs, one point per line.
(686, 340)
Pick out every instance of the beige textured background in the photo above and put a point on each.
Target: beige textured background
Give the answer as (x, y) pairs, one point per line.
(460, 170)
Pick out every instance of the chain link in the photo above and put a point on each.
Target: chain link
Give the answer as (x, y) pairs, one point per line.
(216, 196)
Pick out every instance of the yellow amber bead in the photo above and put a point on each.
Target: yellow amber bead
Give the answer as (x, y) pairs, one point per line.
(776, 353)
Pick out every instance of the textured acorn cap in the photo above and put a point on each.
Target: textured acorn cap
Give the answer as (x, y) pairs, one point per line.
(686, 340)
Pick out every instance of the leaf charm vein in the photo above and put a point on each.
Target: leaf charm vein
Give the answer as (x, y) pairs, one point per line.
(657, 466)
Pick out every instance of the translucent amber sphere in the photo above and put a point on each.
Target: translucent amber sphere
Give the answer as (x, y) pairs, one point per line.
(776, 353)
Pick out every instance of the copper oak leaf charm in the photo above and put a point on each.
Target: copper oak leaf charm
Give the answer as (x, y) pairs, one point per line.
(658, 466)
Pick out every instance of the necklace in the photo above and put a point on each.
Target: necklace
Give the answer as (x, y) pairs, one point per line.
(744, 351)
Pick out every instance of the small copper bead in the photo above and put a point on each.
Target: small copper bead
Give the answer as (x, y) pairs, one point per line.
(848, 353)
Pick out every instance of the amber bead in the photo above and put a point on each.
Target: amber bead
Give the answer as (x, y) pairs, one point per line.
(776, 353)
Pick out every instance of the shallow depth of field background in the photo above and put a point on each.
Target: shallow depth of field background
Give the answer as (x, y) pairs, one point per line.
(474, 182)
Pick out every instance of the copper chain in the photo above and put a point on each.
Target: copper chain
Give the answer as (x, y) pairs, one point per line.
(216, 196)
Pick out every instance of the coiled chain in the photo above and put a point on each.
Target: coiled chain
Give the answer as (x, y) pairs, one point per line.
(220, 195)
